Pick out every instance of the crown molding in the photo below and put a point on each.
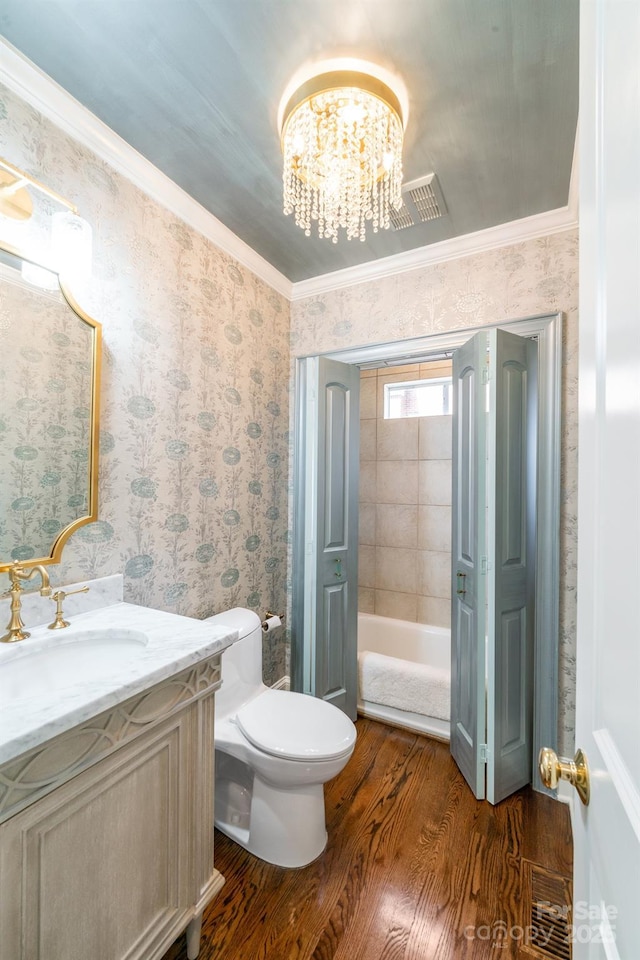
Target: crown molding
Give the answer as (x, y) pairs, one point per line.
(34, 86)
(22, 77)
(504, 235)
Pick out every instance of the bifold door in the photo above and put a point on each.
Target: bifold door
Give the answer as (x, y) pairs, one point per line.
(493, 558)
(325, 549)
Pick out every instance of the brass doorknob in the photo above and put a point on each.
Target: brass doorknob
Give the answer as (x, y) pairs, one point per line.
(554, 768)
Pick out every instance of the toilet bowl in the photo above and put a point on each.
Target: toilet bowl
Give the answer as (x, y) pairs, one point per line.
(274, 751)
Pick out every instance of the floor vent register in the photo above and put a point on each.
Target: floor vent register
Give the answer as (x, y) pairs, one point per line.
(547, 902)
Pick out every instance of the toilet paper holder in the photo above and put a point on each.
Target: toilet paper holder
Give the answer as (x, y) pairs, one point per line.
(268, 616)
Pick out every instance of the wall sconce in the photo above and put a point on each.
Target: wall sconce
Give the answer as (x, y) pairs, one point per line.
(71, 243)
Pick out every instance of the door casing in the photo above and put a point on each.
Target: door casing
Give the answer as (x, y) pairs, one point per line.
(547, 329)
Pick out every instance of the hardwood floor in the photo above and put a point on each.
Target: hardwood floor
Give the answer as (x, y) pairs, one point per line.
(415, 867)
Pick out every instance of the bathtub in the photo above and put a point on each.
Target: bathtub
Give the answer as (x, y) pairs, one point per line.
(416, 658)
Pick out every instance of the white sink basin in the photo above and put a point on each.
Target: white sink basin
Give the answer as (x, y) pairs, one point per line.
(60, 662)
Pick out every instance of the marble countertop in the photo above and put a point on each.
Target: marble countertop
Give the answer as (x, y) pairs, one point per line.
(174, 643)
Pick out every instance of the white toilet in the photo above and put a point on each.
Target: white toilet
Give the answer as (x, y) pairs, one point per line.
(274, 752)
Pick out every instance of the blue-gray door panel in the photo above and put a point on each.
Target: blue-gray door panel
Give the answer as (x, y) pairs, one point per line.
(336, 608)
(336, 466)
(337, 538)
(510, 661)
(468, 581)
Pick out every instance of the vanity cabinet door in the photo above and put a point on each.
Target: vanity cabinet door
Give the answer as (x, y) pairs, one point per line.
(104, 866)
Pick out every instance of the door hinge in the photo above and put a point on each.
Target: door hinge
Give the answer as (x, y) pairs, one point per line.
(485, 566)
(484, 753)
(486, 372)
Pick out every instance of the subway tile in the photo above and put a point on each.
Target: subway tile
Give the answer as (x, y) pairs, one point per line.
(366, 566)
(396, 569)
(435, 482)
(368, 429)
(397, 439)
(434, 574)
(396, 525)
(397, 481)
(436, 434)
(434, 611)
(367, 523)
(401, 606)
(368, 481)
(434, 528)
(366, 600)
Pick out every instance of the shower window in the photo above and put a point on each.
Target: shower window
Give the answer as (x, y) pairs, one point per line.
(417, 398)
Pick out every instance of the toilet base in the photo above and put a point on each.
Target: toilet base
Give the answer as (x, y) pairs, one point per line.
(285, 827)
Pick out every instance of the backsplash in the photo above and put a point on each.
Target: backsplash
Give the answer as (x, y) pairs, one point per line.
(523, 280)
(194, 421)
(37, 610)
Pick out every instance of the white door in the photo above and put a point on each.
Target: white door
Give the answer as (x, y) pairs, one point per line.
(607, 832)
(325, 561)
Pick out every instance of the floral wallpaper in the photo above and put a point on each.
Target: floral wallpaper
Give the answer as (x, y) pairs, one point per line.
(196, 384)
(522, 280)
(43, 459)
(194, 424)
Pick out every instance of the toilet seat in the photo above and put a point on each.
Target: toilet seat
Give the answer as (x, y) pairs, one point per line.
(296, 726)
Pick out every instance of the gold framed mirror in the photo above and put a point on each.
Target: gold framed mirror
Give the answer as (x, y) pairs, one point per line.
(50, 355)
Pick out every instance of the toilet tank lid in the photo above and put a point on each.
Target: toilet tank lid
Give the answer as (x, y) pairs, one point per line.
(244, 621)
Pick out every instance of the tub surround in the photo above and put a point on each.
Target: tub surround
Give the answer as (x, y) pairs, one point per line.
(404, 548)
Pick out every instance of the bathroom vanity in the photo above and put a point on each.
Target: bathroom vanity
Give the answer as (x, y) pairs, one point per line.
(106, 786)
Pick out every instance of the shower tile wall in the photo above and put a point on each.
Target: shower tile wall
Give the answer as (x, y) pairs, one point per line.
(405, 505)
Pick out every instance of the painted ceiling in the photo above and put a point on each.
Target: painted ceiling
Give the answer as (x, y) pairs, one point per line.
(194, 86)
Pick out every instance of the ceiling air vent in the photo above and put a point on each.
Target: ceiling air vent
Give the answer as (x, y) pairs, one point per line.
(422, 201)
(400, 218)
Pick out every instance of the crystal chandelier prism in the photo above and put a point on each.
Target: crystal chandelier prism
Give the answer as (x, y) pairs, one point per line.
(342, 144)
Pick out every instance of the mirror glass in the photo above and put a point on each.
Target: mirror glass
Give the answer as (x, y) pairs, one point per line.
(49, 381)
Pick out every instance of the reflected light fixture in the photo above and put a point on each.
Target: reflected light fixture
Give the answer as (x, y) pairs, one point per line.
(341, 132)
(71, 240)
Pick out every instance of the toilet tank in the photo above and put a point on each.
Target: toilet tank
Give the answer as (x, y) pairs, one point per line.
(241, 662)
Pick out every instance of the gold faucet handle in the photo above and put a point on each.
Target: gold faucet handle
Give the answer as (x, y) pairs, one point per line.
(59, 597)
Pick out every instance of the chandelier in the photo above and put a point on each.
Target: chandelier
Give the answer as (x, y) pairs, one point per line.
(342, 143)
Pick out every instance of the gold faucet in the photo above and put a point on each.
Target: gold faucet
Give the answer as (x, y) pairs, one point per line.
(15, 627)
(59, 597)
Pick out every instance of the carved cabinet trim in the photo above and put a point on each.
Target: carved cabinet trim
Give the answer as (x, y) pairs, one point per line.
(34, 774)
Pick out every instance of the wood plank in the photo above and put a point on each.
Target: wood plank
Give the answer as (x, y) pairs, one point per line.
(414, 866)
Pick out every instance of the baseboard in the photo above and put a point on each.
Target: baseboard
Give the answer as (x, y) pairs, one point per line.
(284, 683)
